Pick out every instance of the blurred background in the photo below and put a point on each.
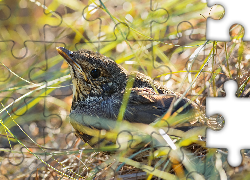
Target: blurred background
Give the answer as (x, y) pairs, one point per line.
(163, 39)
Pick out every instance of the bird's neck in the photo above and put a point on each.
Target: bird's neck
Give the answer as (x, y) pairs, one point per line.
(79, 93)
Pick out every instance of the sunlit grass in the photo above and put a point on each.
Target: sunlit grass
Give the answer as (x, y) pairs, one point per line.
(36, 91)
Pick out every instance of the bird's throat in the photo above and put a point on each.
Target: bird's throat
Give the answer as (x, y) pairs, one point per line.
(80, 91)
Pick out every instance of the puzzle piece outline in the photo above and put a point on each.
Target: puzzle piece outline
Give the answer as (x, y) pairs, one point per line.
(151, 41)
(219, 29)
(215, 137)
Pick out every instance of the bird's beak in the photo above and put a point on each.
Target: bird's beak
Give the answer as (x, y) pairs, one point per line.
(65, 53)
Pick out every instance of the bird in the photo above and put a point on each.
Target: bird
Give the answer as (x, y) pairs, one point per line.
(99, 85)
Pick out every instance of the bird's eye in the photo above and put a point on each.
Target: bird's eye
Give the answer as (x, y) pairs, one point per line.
(71, 54)
(95, 73)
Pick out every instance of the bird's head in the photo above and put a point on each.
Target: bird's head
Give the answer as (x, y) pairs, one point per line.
(93, 74)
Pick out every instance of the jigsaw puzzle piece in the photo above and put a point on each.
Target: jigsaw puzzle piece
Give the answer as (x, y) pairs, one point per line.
(177, 55)
(153, 17)
(117, 41)
(95, 14)
(160, 17)
(225, 137)
(228, 60)
(189, 54)
(26, 49)
(26, 40)
(152, 157)
(185, 14)
(104, 34)
(148, 149)
(22, 41)
(121, 12)
(219, 29)
(218, 165)
(11, 110)
(49, 63)
(21, 105)
(183, 40)
(26, 124)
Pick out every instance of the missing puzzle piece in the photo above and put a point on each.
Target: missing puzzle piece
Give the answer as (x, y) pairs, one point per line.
(219, 29)
(235, 111)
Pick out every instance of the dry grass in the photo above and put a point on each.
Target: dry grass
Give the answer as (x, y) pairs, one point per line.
(36, 93)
